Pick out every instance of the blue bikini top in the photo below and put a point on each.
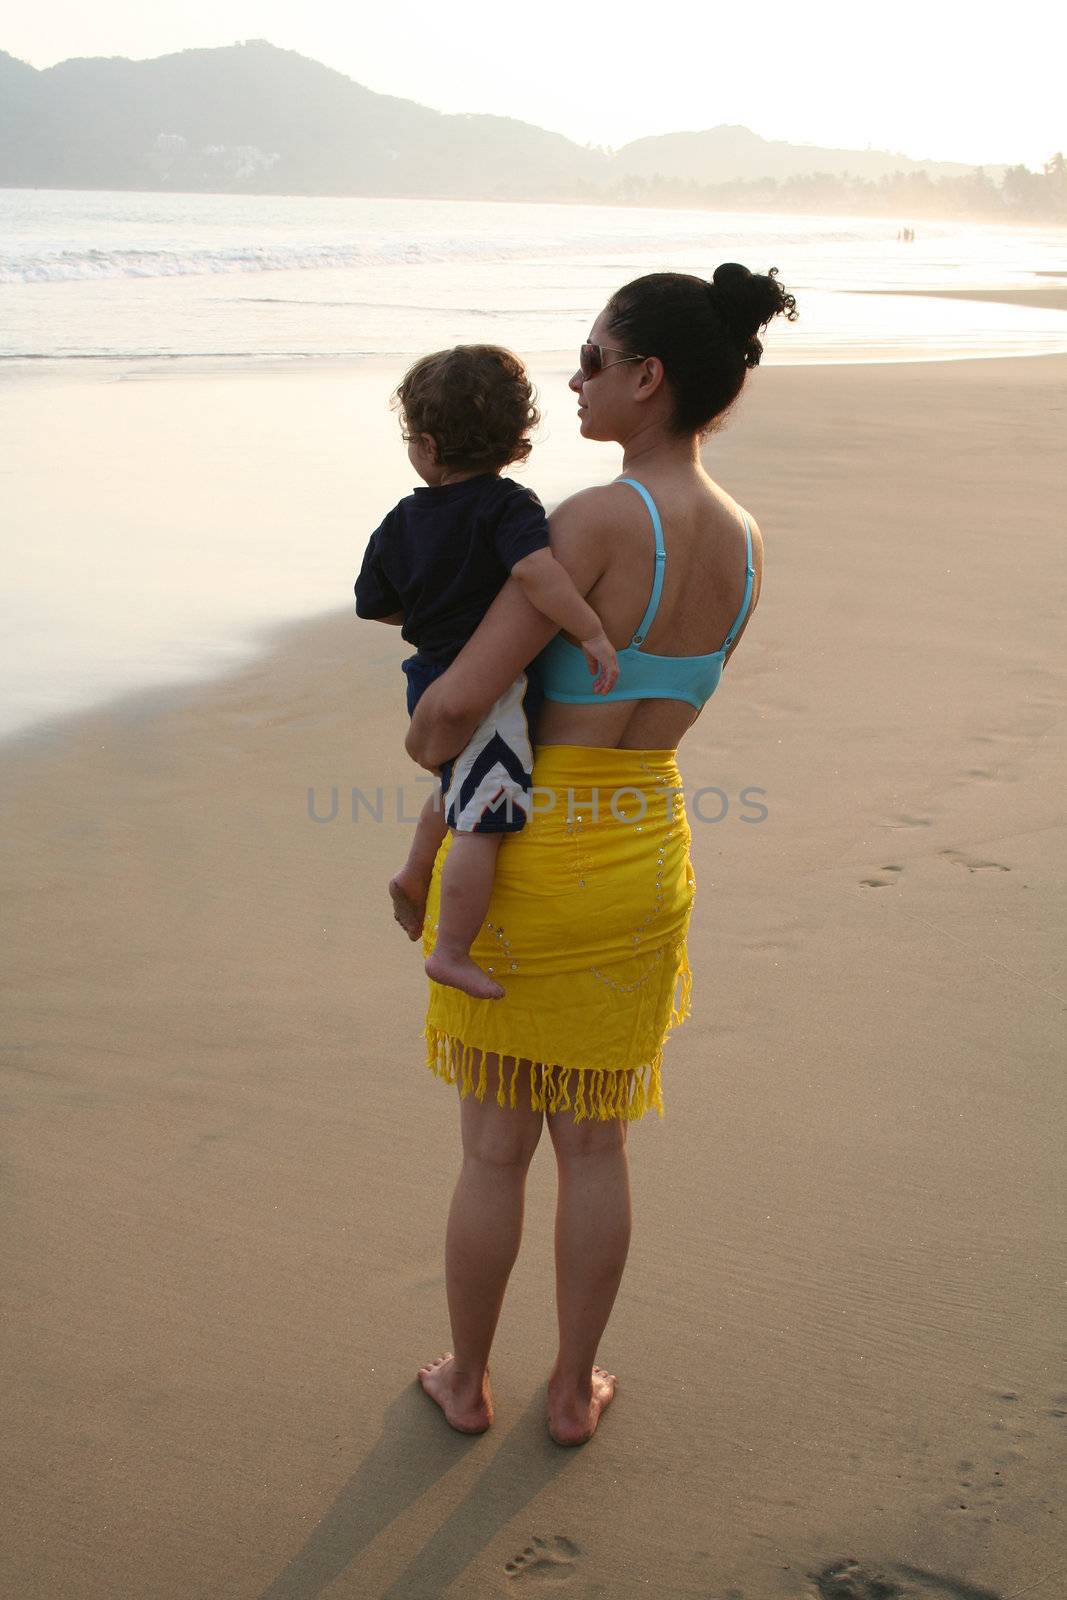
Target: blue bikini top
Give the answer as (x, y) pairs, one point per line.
(642, 676)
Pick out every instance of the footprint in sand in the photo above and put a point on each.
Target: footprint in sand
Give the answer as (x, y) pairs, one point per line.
(849, 1579)
(975, 1494)
(972, 863)
(550, 1562)
(880, 883)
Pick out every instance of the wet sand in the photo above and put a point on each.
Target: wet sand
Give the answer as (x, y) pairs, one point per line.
(1036, 299)
(840, 1337)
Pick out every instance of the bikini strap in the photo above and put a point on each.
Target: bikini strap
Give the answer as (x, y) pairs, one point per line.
(750, 573)
(661, 556)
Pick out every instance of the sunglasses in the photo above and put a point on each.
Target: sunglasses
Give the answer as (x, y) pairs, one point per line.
(591, 359)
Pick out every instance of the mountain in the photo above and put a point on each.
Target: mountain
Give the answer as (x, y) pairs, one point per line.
(251, 118)
(730, 153)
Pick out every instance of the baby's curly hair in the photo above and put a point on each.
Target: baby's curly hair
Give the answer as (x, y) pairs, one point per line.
(476, 402)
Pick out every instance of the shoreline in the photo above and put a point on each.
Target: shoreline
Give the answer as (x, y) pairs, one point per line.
(261, 366)
(250, 638)
(93, 365)
(140, 703)
(197, 366)
(1040, 299)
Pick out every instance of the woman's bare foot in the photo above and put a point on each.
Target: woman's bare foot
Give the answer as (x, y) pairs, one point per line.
(573, 1415)
(408, 895)
(467, 1409)
(460, 972)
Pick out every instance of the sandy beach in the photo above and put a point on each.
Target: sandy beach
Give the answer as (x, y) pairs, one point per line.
(840, 1340)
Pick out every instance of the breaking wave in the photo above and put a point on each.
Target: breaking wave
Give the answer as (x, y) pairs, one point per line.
(64, 266)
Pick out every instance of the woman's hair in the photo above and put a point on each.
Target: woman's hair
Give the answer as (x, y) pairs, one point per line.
(706, 334)
(475, 401)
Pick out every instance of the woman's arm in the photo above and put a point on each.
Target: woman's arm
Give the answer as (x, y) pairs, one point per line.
(506, 640)
(508, 637)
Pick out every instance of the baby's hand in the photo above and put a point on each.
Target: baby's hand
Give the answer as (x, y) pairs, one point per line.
(601, 660)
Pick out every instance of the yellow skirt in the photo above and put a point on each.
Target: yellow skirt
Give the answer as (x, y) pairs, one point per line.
(586, 931)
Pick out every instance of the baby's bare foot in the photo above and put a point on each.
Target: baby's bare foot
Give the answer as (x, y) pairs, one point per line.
(408, 895)
(467, 1409)
(460, 972)
(573, 1415)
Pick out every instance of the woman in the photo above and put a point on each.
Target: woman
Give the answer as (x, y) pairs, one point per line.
(587, 925)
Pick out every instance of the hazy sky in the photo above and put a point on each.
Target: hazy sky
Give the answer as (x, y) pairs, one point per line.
(924, 79)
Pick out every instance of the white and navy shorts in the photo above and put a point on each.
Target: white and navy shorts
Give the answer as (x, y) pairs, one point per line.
(487, 787)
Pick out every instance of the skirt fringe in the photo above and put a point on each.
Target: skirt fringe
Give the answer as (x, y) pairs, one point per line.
(627, 1091)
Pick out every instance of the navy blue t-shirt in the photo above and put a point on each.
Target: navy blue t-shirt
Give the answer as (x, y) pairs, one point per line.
(444, 553)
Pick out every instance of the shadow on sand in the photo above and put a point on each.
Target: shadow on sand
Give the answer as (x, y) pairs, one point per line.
(416, 1449)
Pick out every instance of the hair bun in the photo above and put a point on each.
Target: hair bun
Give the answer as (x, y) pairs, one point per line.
(731, 274)
(746, 301)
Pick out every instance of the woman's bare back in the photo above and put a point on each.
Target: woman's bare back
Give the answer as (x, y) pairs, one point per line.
(703, 587)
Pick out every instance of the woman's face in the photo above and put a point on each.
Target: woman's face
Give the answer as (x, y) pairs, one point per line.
(605, 401)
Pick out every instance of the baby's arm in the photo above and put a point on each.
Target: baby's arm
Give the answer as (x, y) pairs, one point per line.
(376, 597)
(549, 587)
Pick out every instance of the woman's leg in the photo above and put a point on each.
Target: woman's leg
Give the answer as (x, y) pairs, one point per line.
(481, 1244)
(592, 1240)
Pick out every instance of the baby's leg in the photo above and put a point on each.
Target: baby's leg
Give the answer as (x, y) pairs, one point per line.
(408, 890)
(466, 887)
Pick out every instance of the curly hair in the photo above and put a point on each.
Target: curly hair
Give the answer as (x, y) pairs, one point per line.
(706, 334)
(475, 401)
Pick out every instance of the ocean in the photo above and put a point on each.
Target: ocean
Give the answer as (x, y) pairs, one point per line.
(134, 277)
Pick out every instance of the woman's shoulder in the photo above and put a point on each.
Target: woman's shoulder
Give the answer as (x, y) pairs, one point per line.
(584, 530)
(597, 503)
(592, 516)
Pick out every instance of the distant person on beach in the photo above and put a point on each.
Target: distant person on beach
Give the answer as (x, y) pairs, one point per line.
(589, 912)
(434, 566)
